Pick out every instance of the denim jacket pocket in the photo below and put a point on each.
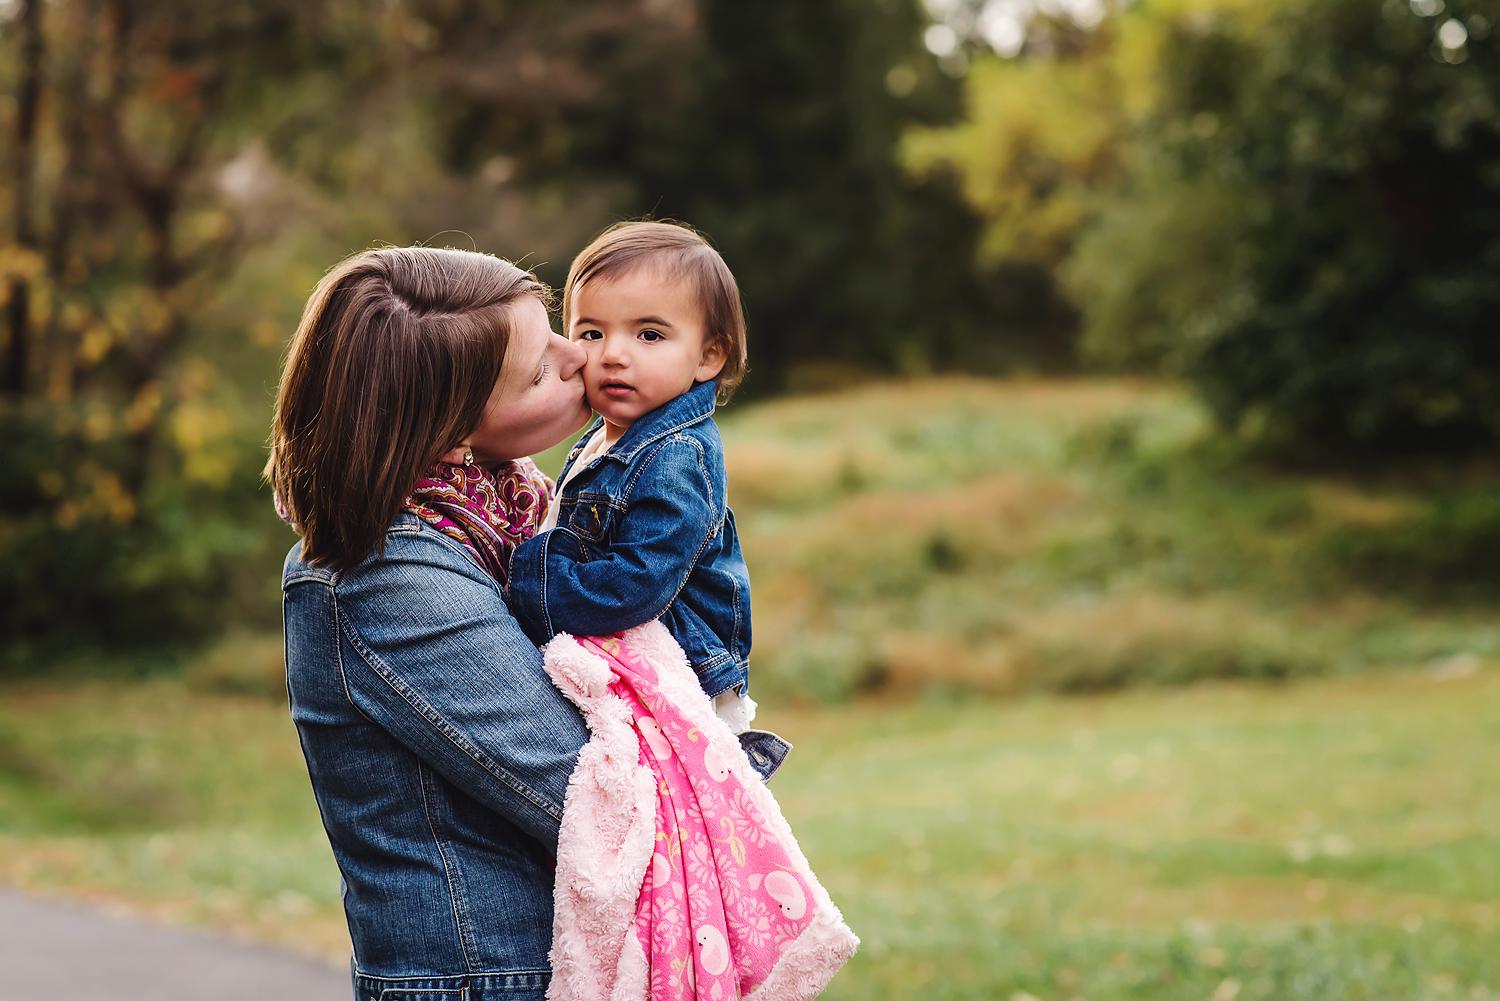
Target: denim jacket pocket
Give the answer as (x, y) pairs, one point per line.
(593, 518)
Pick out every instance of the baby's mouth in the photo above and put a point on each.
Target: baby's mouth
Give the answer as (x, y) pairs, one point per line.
(615, 389)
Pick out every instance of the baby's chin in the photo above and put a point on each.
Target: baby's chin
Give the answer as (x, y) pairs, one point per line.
(620, 411)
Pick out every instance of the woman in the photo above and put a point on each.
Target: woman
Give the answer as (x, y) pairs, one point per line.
(439, 752)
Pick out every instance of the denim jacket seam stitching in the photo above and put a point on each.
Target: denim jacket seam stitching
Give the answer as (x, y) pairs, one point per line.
(734, 636)
(629, 457)
(301, 576)
(542, 590)
(578, 445)
(644, 463)
(630, 489)
(708, 482)
(444, 727)
(456, 899)
(710, 532)
(619, 500)
(635, 470)
(338, 654)
(714, 529)
(717, 660)
(461, 550)
(530, 972)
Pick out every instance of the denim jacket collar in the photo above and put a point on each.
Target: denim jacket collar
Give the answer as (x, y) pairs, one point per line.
(674, 415)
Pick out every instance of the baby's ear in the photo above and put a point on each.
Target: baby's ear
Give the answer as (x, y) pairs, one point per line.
(714, 355)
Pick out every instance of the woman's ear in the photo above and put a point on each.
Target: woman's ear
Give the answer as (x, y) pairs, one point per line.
(459, 455)
(714, 355)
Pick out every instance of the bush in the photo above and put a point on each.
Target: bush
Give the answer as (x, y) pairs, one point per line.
(83, 565)
(1451, 547)
(1313, 227)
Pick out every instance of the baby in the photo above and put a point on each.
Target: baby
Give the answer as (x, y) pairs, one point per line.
(641, 527)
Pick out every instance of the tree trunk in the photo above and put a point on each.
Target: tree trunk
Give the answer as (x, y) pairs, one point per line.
(18, 313)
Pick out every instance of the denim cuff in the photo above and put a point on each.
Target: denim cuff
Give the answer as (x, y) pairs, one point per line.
(526, 592)
(766, 751)
(526, 985)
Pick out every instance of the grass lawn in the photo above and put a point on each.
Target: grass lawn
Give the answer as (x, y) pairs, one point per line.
(994, 537)
(919, 551)
(1329, 838)
(1325, 839)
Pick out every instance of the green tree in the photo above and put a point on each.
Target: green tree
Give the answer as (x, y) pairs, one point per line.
(782, 148)
(179, 174)
(115, 445)
(1355, 151)
(172, 166)
(1294, 205)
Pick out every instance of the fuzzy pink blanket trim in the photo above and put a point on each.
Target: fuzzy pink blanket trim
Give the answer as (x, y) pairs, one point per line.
(678, 879)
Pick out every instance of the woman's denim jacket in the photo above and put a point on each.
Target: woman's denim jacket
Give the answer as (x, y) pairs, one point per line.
(439, 753)
(645, 530)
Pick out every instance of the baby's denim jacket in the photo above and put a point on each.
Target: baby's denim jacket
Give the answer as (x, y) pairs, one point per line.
(643, 531)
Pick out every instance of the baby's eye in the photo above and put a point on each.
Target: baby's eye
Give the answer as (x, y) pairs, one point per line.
(589, 335)
(650, 335)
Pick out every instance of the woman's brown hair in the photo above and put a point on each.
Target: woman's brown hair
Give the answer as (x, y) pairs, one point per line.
(392, 365)
(682, 253)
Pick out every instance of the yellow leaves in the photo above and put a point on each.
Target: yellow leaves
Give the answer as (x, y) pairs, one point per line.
(267, 333)
(204, 228)
(18, 262)
(137, 308)
(100, 496)
(98, 421)
(199, 427)
(1041, 137)
(95, 344)
(1044, 138)
(196, 426)
(197, 376)
(732, 839)
(199, 430)
(95, 336)
(144, 408)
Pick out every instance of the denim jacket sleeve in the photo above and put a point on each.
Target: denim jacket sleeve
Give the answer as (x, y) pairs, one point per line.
(439, 662)
(670, 514)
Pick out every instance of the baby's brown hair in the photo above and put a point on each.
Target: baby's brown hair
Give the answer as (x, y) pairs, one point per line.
(682, 253)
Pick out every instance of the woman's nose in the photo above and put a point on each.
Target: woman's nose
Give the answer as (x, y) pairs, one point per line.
(570, 358)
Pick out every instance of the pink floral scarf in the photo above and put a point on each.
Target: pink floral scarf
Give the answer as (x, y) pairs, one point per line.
(678, 879)
(490, 513)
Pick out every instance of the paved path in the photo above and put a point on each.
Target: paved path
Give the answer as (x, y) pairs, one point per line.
(52, 951)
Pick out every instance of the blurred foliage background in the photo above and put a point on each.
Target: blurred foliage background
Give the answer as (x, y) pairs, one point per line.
(1291, 207)
(1094, 343)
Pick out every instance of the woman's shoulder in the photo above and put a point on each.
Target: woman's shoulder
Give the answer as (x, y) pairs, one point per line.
(414, 552)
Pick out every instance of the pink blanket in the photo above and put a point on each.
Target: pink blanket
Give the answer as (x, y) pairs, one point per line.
(677, 876)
